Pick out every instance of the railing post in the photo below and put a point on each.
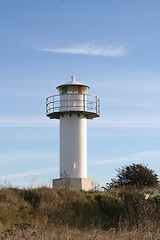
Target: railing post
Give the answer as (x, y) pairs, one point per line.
(99, 106)
(46, 106)
(50, 107)
(53, 104)
(84, 102)
(96, 103)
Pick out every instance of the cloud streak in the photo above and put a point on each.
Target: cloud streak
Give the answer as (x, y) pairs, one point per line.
(14, 157)
(128, 121)
(142, 157)
(89, 49)
(26, 121)
(120, 121)
(137, 157)
(131, 103)
(29, 173)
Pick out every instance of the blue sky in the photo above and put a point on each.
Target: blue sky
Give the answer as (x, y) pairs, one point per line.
(112, 46)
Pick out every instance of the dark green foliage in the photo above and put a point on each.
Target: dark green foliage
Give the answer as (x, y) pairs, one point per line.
(32, 197)
(109, 210)
(135, 175)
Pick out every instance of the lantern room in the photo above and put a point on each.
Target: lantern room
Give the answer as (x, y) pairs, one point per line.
(73, 87)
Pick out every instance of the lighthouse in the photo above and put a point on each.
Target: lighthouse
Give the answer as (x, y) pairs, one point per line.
(73, 107)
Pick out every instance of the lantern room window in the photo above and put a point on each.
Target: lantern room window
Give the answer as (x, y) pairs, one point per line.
(79, 89)
(64, 90)
(73, 89)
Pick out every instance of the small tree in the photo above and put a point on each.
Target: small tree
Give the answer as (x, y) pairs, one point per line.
(135, 175)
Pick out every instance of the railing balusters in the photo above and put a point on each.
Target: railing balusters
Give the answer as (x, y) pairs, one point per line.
(88, 104)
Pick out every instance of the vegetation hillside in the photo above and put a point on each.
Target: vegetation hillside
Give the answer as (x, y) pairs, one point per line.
(46, 213)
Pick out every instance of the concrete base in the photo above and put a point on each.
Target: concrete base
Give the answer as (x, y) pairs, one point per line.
(74, 183)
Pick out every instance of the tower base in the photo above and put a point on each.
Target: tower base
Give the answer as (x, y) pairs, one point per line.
(74, 183)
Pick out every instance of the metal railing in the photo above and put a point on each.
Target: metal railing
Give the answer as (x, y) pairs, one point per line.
(72, 103)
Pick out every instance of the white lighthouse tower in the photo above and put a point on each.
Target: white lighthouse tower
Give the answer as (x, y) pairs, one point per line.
(73, 106)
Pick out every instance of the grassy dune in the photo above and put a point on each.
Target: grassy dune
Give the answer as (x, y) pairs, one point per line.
(45, 213)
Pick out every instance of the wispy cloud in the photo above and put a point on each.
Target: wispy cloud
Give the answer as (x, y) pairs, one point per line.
(29, 173)
(26, 121)
(89, 49)
(137, 157)
(16, 157)
(120, 121)
(128, 121)
(141, 157)
(131, 103)
(140, 84)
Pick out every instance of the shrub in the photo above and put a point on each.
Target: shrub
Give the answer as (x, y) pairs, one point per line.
(135, 175)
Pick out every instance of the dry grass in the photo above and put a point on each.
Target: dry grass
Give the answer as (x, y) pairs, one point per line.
(66, 214)
(65, 233)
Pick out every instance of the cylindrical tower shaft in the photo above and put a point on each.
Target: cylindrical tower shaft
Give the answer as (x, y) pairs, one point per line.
(73, 146)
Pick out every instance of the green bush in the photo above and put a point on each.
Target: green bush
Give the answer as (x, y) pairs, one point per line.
(135, 175)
